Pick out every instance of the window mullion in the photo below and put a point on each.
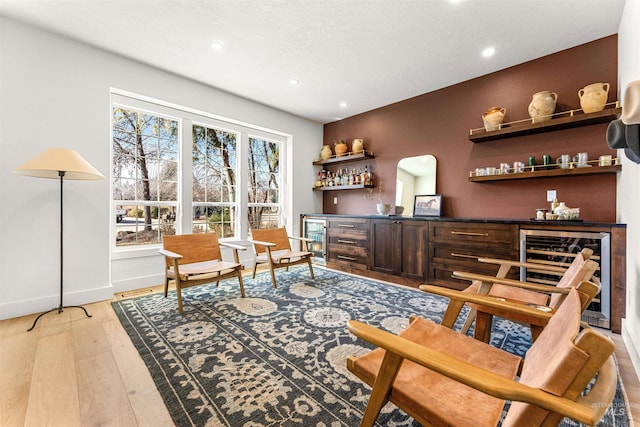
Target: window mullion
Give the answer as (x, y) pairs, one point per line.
(242, 222)
(185, 184)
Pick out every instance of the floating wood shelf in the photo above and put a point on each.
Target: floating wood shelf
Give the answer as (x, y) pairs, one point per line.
(544, 173)
(342, 187)
(346, 158)
(563, 120)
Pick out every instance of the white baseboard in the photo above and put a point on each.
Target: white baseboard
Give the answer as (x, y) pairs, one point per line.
(37, 305)
(632, 347)
(138, 283)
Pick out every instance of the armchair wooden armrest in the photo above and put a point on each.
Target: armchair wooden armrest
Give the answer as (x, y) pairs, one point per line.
(170, 254)
(304, 239)
(398, 348)
(233, 246)
(530, 265)
(509, 282)
(537, 314)
(258, 242)
(539, 265)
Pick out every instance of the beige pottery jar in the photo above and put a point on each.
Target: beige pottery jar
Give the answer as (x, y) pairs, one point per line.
(357, 146)
(593, 97)
(493, 118)
(326, 152)
(542, 106)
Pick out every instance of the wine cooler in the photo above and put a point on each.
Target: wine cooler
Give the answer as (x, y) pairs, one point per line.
(316, 229)
(559, 248)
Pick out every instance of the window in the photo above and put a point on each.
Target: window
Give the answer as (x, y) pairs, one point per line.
(264, 183)
(214, 181)
(145, 176)
(227, 180)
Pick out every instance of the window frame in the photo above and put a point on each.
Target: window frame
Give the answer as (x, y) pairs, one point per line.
(280, 178)
(187, 117)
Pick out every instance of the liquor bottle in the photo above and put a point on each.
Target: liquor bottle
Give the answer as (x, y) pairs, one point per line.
(368, 177)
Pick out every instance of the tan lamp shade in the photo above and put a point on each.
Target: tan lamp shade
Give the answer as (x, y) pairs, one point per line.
(52, 161)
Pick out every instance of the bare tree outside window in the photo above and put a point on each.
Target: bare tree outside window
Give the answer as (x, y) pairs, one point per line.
(214, 181)
(264, 183)
(145, 176)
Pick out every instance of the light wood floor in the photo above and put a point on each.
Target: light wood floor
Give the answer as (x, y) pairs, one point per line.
(77, 371)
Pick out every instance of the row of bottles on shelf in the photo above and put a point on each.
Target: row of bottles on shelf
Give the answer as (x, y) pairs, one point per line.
(354, 176)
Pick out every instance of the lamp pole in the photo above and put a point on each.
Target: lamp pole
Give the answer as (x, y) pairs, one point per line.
(61, 307)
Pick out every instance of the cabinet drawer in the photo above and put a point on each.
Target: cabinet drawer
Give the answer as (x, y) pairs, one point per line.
(473, 233)
(353, 256)
(349, 224)
(347, 238)
(467, 256)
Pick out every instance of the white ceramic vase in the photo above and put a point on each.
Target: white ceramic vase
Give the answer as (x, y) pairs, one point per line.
(383, 208)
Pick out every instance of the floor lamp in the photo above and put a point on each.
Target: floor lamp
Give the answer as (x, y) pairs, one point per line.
(59, 163)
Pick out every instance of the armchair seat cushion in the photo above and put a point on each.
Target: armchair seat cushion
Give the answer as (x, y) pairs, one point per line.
(213, 268)
(283, 256)
(416, 384)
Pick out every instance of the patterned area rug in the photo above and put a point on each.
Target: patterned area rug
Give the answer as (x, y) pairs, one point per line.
(277, 357)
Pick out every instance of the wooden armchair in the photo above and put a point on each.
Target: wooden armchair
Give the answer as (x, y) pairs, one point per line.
(195, 259)
(536, 316)
(581, 270)
(444, 378)
(516, 293)
(272, 246)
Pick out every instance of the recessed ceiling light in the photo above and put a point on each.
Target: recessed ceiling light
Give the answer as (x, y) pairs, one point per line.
(216, 45)
(294, 82)
(343, 105)
(488, 52)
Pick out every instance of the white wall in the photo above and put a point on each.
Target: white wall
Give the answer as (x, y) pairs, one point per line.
(55, 92)
(627, 197)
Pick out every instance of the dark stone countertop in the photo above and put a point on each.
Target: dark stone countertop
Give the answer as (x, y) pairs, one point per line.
(524, 221)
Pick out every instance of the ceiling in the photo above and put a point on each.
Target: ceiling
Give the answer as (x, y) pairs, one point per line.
(363, 54)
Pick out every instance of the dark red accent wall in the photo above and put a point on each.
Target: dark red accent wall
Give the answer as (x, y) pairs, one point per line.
(438, 123)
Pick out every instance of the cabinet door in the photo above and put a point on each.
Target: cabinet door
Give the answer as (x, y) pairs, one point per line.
(399, 247)
(414, 237)
(384, 245)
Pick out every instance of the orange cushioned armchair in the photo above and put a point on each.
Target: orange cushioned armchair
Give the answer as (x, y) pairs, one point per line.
(444, 378)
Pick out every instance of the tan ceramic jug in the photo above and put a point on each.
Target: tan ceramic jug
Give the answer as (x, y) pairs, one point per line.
(356, 146)
(326, 152)
(493, 118)
(593, 97)
(542, 106)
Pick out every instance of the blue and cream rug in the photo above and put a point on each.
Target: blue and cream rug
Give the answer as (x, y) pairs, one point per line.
(277, 357)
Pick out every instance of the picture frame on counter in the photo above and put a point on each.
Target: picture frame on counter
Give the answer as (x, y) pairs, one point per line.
(427, 205)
